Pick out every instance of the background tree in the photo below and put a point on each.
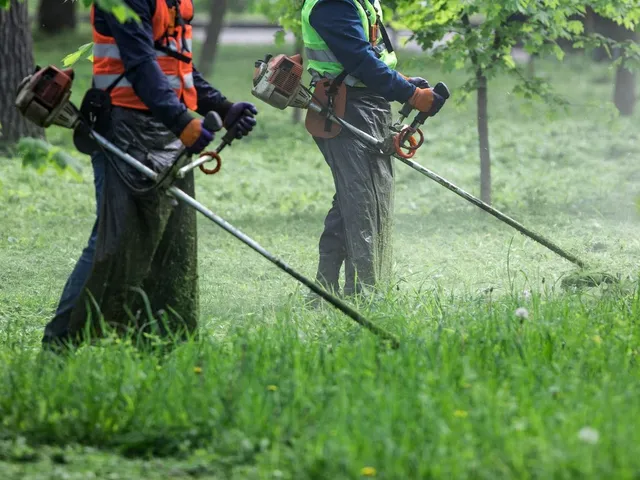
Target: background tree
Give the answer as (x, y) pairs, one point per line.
(56, 16)
(16, 62)
(484, 49)
(624, 96)
(209, 49)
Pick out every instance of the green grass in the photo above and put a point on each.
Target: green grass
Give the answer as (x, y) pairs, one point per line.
(272, 390)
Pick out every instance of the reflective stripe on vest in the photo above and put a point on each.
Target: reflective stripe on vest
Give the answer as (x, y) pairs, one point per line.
(106, 80)
(328, 56)
(320, 55)
(322, 62)
(110, 50)
(108, 65)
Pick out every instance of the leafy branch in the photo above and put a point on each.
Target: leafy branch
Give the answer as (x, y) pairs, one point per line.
(39, 154)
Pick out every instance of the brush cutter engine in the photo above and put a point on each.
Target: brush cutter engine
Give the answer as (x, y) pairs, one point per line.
(43, 98)
(277, 81)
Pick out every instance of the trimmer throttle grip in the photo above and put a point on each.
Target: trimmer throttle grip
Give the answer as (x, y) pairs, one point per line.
(232, 133)
(442, 90)
(229, 137)
(212, 122)
(406, 110)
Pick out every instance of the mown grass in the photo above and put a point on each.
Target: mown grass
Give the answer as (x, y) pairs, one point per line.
(271, 390)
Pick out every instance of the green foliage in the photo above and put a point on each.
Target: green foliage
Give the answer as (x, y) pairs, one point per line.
(623, 12)
(486, 44)
(285, 12)
(83, 51)
(38, 154)
(121, 11)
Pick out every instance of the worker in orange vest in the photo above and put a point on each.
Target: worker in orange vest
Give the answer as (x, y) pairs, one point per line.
(142, 250)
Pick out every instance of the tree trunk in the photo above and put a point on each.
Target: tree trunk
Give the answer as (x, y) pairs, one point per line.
(483, 138)
(624, 95)
(589, 21)
(16, 62)
(212, 34)
(297, 112)
(625, 91)
(56, 16)
(531, 67)
(607, 28)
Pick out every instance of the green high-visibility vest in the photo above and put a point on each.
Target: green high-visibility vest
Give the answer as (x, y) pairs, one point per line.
(322, 63)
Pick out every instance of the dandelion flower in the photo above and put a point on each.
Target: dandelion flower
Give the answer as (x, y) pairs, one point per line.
(589, 435)
(368, 472)
(522, 313)
(527, 295)
(461, 414)
(197, 370)
(272, 388)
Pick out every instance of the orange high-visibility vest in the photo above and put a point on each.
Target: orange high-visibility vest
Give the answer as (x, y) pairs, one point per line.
(173, 43)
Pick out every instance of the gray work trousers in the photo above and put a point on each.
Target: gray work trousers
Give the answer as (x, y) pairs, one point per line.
(146, 249)
(358, 227)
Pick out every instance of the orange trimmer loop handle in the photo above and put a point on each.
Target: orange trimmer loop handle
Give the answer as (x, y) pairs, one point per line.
(407, 134)
(214, 170)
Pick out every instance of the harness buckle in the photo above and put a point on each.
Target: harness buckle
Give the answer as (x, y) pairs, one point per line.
(373, 34)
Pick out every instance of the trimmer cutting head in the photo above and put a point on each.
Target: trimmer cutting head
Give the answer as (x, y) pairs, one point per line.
(277, 81)
(587, 279)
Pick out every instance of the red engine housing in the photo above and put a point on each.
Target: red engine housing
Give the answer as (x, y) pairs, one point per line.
(287, 74)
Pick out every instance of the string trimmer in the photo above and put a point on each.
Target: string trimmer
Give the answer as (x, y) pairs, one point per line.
(43, 98)
(277, 81)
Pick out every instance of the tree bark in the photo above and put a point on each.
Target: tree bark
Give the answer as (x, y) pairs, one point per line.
(607, 28)
(217, 9)
(16, 62)
(482, 117)
(56, 16)
(531, 67)
(624, 95)
(483, 138)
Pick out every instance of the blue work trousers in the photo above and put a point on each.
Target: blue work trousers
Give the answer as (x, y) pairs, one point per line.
(57, 329)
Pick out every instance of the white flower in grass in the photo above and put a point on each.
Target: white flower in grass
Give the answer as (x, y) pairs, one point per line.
(589, 435)
(522, 313)
(527, 295)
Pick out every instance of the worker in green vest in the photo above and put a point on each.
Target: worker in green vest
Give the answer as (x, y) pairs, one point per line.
(352, 64)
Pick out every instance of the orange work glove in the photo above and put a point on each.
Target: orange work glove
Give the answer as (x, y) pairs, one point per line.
(195, 137)
(426, 100)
